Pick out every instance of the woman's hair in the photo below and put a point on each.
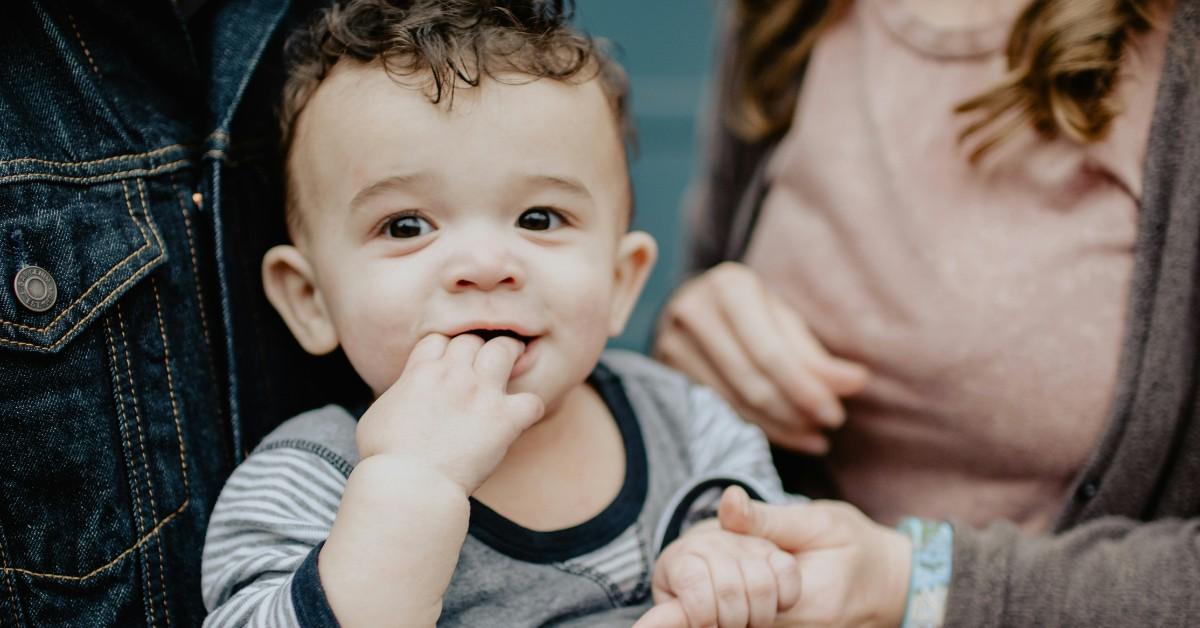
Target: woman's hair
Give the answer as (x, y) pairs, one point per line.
(448, 44)
(1064, 59)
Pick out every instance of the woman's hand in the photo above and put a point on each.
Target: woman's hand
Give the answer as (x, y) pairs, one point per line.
(853, 571)
(727, 331)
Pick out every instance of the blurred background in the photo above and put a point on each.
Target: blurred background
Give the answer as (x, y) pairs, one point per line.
(666, 46)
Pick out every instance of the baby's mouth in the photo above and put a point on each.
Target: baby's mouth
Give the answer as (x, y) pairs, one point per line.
(488, 334)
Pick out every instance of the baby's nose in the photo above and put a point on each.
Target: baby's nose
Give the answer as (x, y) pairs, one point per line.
(484, 267)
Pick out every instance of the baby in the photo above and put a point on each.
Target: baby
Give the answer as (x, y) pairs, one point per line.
(459, 205)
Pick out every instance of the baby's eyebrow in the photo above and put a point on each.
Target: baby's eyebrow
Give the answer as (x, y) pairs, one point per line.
(569, 185)
(387, 184)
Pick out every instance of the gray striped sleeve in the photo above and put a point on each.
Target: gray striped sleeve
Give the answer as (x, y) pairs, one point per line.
(276, 507)
(723, 445)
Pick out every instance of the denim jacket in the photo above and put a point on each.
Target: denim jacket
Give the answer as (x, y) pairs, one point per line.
(138, 171)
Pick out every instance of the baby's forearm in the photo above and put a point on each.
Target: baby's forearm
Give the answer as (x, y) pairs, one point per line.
(394, 544)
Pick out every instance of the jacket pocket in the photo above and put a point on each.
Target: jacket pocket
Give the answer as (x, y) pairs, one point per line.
(91, 451)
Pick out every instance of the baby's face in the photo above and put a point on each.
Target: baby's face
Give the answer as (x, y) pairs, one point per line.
(505, 214)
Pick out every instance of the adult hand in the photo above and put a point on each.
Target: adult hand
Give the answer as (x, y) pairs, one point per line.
(727, 331)
(450, 408)
(853, 571)
(711, 577)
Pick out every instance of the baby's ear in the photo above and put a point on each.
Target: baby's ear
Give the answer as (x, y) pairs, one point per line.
(289, 282)
(636, 253)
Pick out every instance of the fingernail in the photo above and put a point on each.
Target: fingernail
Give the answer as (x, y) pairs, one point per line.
(831, 414)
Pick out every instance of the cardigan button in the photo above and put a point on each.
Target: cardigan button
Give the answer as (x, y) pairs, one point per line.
(35, 288)
(1087, 490)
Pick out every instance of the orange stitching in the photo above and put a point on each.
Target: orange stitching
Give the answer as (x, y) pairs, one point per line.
(92, 162)
(12, 595)
(96, 178)
(66, 310)
(137, 415)
(162, 330)
(187, 488)
(145, 245)
(187, 223)
(93, 573)
(91, 314)
(124, 419)
(79, 39)
(142, 201)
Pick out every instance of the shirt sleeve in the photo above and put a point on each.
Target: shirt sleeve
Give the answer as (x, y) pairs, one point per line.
(722, 445)
(724, 451)
(259, 562)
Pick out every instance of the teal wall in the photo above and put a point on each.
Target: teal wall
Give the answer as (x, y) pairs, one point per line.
(666, 47)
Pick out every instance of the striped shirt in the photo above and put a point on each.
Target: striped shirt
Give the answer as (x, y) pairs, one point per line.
(682, 443)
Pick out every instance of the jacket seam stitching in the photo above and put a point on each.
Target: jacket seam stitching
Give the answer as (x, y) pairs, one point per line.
(141, 439)
(94, 178)
(93, 162)
(79, 38)
(12, 595)
(123, 422)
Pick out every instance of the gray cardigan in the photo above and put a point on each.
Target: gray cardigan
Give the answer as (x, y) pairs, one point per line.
(1125, 550)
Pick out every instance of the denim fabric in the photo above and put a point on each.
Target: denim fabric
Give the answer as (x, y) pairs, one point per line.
(125, 405)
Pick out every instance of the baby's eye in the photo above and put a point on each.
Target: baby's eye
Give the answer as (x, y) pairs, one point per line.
(408, 226)
(540, 219)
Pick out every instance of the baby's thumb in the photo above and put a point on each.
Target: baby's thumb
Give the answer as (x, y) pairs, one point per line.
(666, 615)
(524, 408)
(787, 526)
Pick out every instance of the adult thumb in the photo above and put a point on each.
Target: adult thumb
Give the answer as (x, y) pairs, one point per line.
(792, 527)
(666, 615)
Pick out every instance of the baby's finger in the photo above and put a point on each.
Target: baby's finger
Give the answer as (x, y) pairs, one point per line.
(691, 582)
(761, 591)
(496, 358)
(428, 349)
(524, 409)
(733, 610)
(787, 579)
(668, 614)
(462, 349)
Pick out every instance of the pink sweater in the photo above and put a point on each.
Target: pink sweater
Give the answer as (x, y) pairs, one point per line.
(988, 301)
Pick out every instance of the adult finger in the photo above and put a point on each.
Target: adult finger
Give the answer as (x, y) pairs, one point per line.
(793, 527)
(761, 591)
(843, 377)
(496, 358)
(746, 307)
(708, 333)
(676, 349)
(669, 614)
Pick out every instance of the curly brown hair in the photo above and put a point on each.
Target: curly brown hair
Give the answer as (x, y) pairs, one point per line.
(1064, 58)
(447, 45)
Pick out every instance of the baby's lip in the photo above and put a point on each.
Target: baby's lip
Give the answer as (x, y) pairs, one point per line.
(487, 331)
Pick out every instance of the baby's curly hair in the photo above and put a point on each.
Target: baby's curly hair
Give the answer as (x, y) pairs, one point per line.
(447, 45)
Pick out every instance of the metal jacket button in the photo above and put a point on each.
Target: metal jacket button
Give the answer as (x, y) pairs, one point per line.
(35, 288)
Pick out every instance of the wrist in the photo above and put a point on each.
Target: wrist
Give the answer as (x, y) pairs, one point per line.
(387, 473)
(898, 562)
